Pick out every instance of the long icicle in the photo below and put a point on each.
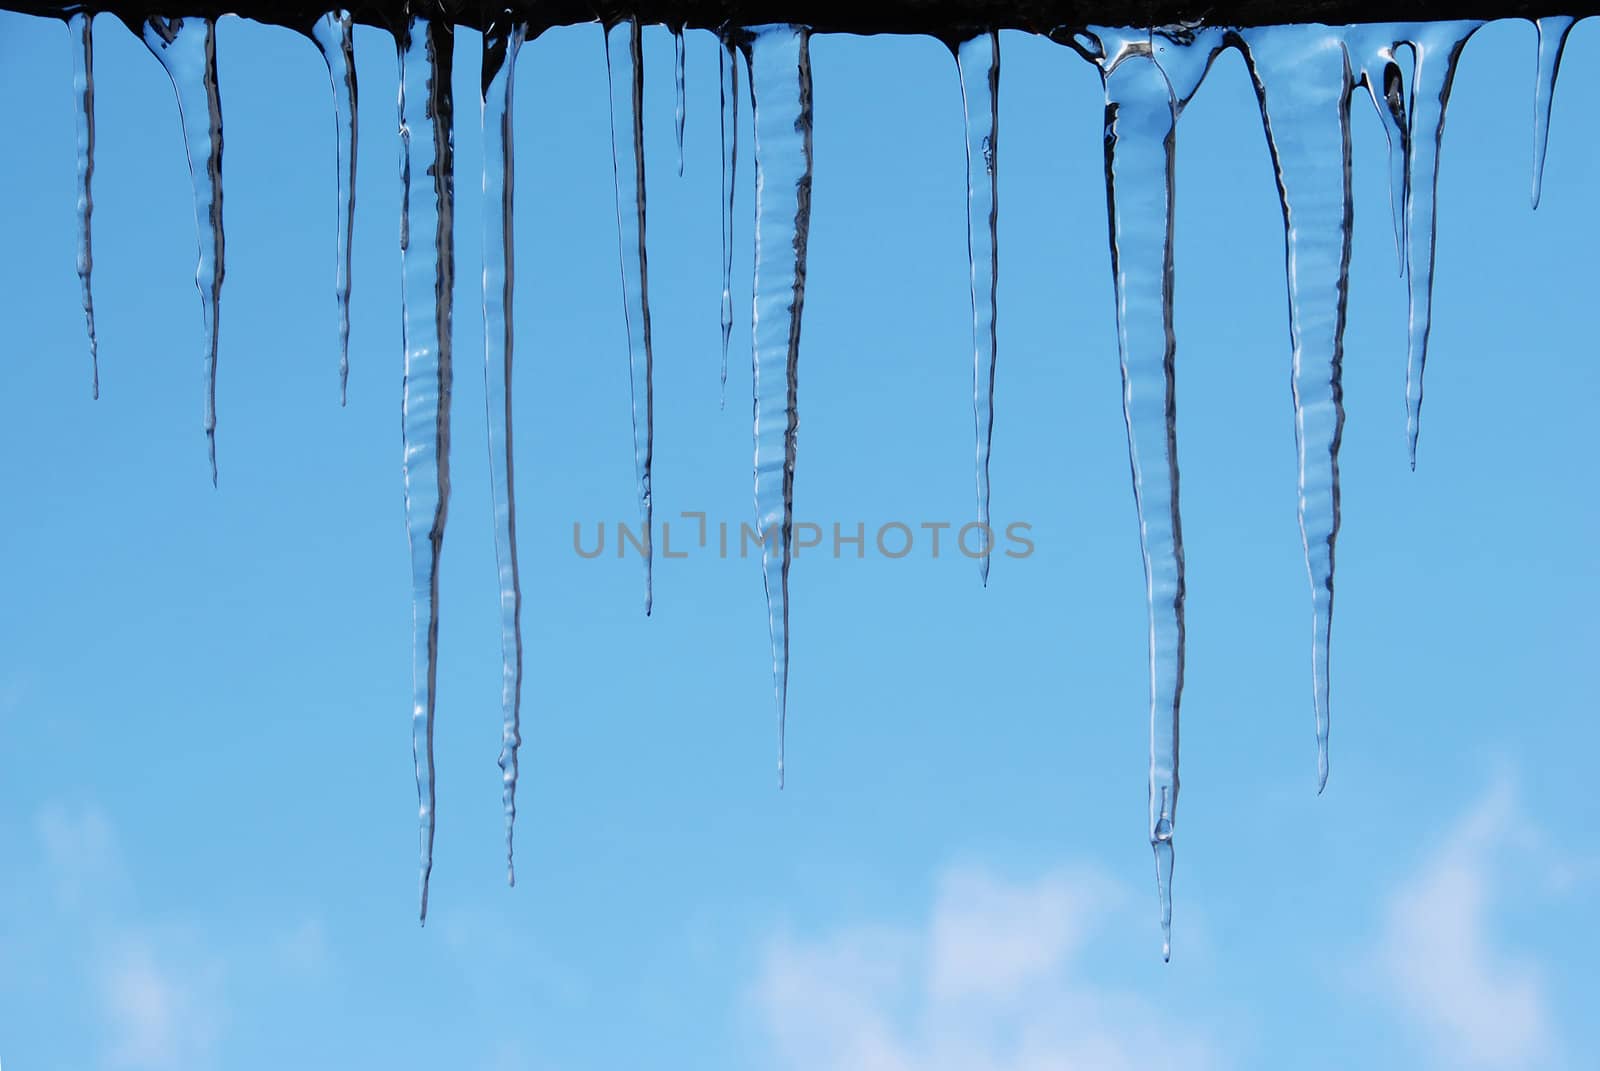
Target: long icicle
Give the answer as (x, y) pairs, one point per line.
(502, 39)
(680, 106)
(730, 167)
(1303, 82)
(627, 163)
(332, 34)
(1141, 119)
(187, 48)
(1552, 31)
(1371, 48)
(81, 27)
(780, 94)
(424, 46)
(978, 64)
(1437, 47)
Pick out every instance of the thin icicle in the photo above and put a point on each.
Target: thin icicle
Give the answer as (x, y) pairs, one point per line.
(501, 41)
(1371, 48)
(978, 64)
(1142, 107)
(81, 27)
(1552, 31)
(427, 272)
(187, 48)
(780, 95)
(332, 34)
(1303, 80)
(680, 107)
(730, 168)
(627, 163)
(1436, 47)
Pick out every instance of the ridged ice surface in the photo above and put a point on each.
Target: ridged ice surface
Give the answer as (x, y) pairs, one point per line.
(500, 46)
(1303, 80)
(1142, 104)
(187, 48)
(1436, 47)
(427, 278)
(780, 92)
(978, 63)
(729, 70)
(333, 38)
(625, 68)
(81, 27)
(1552, 34)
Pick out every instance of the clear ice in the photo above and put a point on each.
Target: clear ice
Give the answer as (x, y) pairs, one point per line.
(680, 107)
(187, 48)
(1552, 33)
(1436, 47)
(81, 27)
(780, 95)
(427, 279)
(978, 64)
(501, 42)
(332, 36)
(729, 70)
(1303, 80)
(627, 162)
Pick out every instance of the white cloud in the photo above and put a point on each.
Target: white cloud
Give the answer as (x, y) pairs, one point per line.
(159, 1007)
(985, 984)
(1477, 1004)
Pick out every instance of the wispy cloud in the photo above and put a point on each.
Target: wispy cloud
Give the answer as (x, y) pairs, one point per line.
(987, 982)
(159, 1004)
(1477, 1003)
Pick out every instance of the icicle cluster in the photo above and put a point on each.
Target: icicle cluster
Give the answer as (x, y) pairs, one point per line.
(1305, 78)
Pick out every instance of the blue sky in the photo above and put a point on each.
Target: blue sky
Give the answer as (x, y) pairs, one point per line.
(206, 795)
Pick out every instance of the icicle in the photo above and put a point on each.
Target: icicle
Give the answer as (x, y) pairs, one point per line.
(187, 48)
(1552, 31)
(1143, 98)
(502, 39)
(81, 26)
(1436, 46)
(427, 270)
(978, 64)
(332, 36)
(627, 162)
(1371, 49)
(680, 109)
(1303, 80)
(730, 167)
(780, 95)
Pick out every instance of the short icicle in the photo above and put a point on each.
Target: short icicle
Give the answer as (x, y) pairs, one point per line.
(730, 165)
(427, 279)
(1552, 31)
(1141, 121)
(81, 27)
(1303, 80)
(627, 162)
(187, 48)
(680, 107)
(780, 94)
(502, 39)
(332, 34)
(978, 64)
(1371, 48)
(1437, 47)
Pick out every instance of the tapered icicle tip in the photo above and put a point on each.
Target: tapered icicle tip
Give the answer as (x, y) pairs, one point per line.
(211, 453)
(1164, 865)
